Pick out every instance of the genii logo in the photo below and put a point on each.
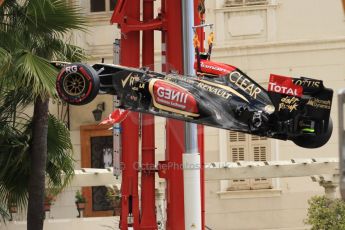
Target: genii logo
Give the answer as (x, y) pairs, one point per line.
(174, 96)
(284, 85)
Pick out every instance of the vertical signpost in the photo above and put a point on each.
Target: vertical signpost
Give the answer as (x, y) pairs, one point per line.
(341, 102)
(116, 127)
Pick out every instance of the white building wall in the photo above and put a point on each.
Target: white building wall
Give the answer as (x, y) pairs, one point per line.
(297, 38)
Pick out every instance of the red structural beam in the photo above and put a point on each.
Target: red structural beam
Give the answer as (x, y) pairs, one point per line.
(174, 128)
(127, 15)
(148, 209)
(130, 134)
(128, 24)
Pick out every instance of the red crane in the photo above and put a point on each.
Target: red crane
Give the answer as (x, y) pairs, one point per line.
(127, 16)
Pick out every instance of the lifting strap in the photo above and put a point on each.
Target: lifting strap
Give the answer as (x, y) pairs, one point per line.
(196, 44)
(210, 40)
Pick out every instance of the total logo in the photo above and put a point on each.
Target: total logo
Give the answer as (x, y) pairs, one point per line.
(284, 85)
(172, 96)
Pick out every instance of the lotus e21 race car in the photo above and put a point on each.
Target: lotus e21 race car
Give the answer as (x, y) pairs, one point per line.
(221, 96)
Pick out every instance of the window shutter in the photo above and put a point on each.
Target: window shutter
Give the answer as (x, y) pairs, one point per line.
(237, 151)
(255, 2)
(234, 3)
(260, 152)
(258, 138)
(245, 147)
(235, 137)
(237, 154)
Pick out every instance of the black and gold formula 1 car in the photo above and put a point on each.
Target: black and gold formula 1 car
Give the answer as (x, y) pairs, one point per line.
(221, 96)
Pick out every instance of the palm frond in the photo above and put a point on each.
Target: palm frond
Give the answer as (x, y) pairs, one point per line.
(32, 33)
(37, 74)
(15, 160)
(60, 168)
(5, 61)
(67, 52)
(13, 101)
(54, 17)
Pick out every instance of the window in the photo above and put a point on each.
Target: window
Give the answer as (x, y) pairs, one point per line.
(102, 5)
(233, 3)
(245, 147)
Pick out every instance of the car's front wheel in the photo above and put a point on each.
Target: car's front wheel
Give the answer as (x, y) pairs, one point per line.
(77, 84)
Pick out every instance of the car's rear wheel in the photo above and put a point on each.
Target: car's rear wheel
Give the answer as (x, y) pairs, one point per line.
(314, 141)
(77, 84)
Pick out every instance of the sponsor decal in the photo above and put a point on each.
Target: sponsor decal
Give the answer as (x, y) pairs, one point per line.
(307, 83)
(215, 68)
(71, 69)
(132, 78)
(245, 84)
(217, 91)
(212, 87)
(284, 85)
(320, 104)
(171, 97)
(124, 81)
(288, 103)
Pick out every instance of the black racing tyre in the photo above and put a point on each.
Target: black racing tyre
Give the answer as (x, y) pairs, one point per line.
(77, 84)
(312, 142)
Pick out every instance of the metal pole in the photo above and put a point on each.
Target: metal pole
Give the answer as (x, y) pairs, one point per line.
(341, 101)
(200, 32)
(191, 132)
(191, 157)
(117, 126)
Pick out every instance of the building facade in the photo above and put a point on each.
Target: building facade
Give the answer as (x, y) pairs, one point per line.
(291, 38)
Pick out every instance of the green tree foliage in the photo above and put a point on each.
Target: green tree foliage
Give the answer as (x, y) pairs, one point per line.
(326, 214)
(33, 33)
(15, 159)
